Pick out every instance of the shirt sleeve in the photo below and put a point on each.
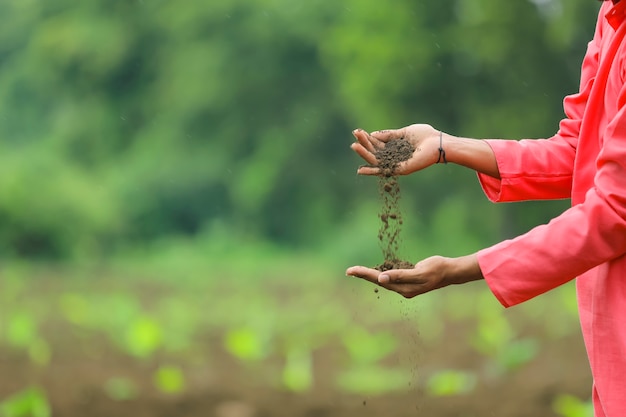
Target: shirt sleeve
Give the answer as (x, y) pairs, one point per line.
(585, 236)
(540, 169)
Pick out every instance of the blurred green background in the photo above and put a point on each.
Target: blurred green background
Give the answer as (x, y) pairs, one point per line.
(176, 181)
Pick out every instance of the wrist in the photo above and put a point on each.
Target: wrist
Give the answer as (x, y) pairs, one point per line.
(441, 158)
(462, 270)
(470, 153)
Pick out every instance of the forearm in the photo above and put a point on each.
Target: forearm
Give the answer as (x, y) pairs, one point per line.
(471, 153)
(462, 269)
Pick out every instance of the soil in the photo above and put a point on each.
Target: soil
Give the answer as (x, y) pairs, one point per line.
(217, 385)
(394, 152)
(75, 379)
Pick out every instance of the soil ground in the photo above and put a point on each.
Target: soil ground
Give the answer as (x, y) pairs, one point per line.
(222, 387)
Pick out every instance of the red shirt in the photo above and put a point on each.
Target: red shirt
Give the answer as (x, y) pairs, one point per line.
(584, 161)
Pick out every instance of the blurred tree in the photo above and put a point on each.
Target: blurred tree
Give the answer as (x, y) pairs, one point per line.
(126, 121)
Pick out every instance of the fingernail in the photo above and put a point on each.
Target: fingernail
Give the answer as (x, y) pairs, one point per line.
(383, 279)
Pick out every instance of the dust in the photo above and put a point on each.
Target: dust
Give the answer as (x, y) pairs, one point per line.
(394, 152)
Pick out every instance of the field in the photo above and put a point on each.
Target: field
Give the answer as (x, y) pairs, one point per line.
(289, 337)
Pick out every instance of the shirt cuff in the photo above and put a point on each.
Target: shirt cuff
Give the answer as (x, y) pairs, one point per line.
(492, 187)
(487, 261)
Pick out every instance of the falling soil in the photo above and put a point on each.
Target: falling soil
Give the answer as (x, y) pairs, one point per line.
(394, 152)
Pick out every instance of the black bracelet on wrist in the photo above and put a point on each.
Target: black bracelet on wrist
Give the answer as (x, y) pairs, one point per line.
(442, 153)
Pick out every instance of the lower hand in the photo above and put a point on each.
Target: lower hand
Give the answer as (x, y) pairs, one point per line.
(427, 275)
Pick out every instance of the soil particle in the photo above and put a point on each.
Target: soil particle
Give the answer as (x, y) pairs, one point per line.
(394, 152)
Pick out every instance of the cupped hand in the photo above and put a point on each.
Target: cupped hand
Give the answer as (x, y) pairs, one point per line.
(427, 275)
(423, 137)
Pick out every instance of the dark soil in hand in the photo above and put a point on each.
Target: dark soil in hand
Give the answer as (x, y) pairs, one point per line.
(389, 157)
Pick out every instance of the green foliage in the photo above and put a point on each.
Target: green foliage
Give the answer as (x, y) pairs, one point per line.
(21, 330)
(493, 330)
(139, 331)
(517, 353)
(144, 336)
(450, 382)
(120, 389)
(31, 402)
(367, 348)
(169, 379)
(298, 371)
(373, 380)
(22, 333)
(569, 406)
(126, 122)
(247, 344)
(273, 317)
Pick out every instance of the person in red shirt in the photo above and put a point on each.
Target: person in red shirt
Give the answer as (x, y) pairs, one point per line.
(584, 161)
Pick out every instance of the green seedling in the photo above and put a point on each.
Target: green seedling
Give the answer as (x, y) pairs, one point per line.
(22, 333)
(367, 348)
(493, 333)
(120, 389)
(373, 380)
(569, 406)
(169, 379)
(144, 336)
(32, 402)
(21, 330)
(450, 382)
(298, 371)
(517, 353)
(247, 344)
(75, 308)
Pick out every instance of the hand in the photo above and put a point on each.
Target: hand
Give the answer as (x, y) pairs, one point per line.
(423, 137)
(427, 275)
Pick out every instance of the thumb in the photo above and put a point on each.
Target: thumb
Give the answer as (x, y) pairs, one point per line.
(388, 134)
(395, 276)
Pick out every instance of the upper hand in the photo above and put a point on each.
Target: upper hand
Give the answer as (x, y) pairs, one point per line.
(423, 137)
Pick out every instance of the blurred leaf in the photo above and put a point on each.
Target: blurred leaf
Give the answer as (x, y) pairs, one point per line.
(31, 402)
(368, 348)
(373, 380)
(493, 331)
(75, 308)
(518, 353)
(246, 344)
(120, 389)
(450, 382)
(39, 352)
(298, 370)
(567, 405)
(144, 336)
(169, 379)
(22, 330)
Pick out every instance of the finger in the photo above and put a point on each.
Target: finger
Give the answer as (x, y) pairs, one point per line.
(368, 170)
(377, 144)
(399, 276)
(388, 134)
(364, 139)
(363, 272)
(364, 153)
